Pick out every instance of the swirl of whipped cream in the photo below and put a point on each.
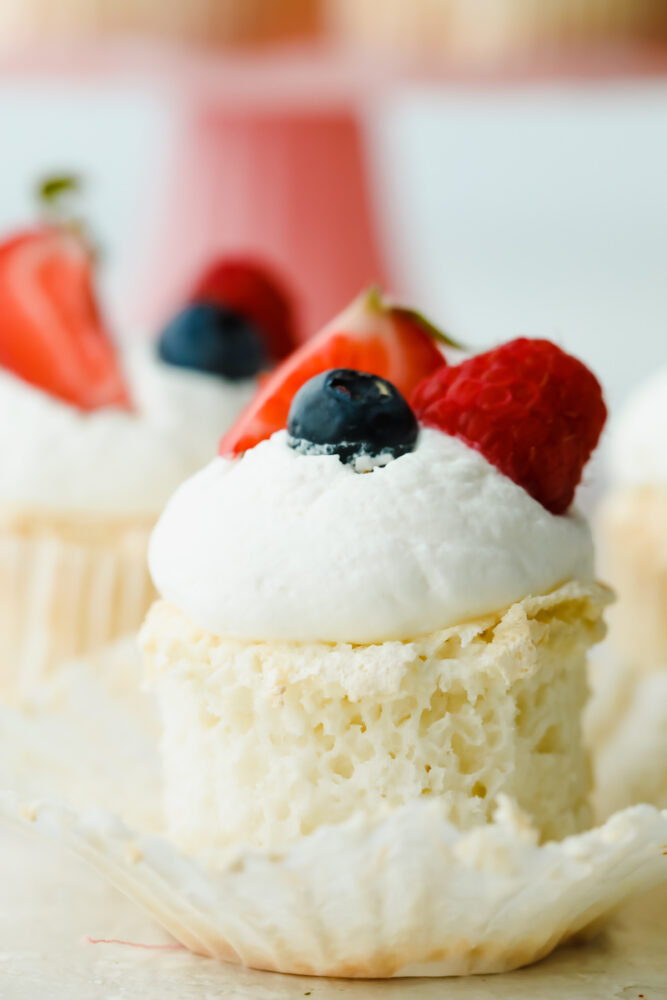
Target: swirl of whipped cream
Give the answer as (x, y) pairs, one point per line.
(277, 545)
(637, 453)
(195, 403)
(57, 459)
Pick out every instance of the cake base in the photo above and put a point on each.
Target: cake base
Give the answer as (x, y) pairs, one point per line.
(264, 742)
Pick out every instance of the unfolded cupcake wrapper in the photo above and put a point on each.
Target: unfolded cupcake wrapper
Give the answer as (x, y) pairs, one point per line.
(62, 596)
(407, 895)
(400, 894)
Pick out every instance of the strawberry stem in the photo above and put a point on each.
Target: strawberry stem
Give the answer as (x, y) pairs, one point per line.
(51, 188)
(433, 331)
(56, 195)
(374, 301)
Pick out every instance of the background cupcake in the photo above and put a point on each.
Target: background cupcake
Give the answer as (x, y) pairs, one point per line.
(213, 22)
(90, 459)
(492, 28)
(629, 712)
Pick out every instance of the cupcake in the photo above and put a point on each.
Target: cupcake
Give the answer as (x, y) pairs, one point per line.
(211, 22)
(379, 609)
(88, 460)
(238, 322)
(492, 28)
(630, 737)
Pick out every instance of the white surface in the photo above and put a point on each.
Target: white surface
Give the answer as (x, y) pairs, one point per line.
(51, 903)
(533, 210)
(434, 538)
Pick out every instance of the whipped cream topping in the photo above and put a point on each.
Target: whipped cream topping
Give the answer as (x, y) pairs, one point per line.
(198, 404)
(58, 459)
(279, 545)
(637, 452)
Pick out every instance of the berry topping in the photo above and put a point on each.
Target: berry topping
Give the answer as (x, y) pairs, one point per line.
(532, 410)
(349, 413)
(257, 293)
(370, 336)
(214, 339)
(51, 333)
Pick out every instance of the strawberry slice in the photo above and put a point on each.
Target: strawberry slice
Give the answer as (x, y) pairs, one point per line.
(371, 335)
(51, 333)
(254, 290)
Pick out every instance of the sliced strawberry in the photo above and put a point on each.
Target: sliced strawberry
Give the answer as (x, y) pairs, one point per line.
(371, 335)
(51, 333)
(256, 291)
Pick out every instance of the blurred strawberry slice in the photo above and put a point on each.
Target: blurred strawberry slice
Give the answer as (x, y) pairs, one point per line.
(51, 332)
(371, 335)
(258, 293)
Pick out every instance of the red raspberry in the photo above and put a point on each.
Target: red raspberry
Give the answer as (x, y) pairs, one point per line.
(259, 294)
(532, 410)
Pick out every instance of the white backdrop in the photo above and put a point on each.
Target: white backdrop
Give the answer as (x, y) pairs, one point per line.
(504, 211)
(541, 212)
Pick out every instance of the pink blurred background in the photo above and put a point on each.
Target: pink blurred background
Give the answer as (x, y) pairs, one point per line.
(506, 173)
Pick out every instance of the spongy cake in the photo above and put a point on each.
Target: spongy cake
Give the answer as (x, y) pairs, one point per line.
(265, 742)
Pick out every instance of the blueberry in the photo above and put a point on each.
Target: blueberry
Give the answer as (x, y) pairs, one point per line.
(349, 413)
(212, 338)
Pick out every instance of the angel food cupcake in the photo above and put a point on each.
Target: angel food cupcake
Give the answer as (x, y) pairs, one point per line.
(381, 604)
(88, 463)
(631, 733)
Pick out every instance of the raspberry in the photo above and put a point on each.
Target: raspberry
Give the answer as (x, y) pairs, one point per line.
(532, 410)
(258, 293)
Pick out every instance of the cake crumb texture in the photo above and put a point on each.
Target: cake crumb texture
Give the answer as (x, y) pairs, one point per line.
(264, 743)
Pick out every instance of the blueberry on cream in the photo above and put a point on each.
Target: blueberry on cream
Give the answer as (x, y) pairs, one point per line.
(351, 414)
(212, 338)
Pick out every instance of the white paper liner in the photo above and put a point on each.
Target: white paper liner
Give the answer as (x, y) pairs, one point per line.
(631, 760)
(397, 895)
(61, 598)
(89, 736)
(405, 896)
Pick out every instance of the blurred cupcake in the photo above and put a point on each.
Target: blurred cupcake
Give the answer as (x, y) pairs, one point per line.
(213, 22)
(631, 739)
(240, 320)
(491, 28)
(88, 464)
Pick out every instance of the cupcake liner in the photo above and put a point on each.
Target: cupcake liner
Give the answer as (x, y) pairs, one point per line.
(89, 736)
(626, 720)
(408, 895)
(401, 894)
(66, 587)
(633, 541)
(631, 759)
